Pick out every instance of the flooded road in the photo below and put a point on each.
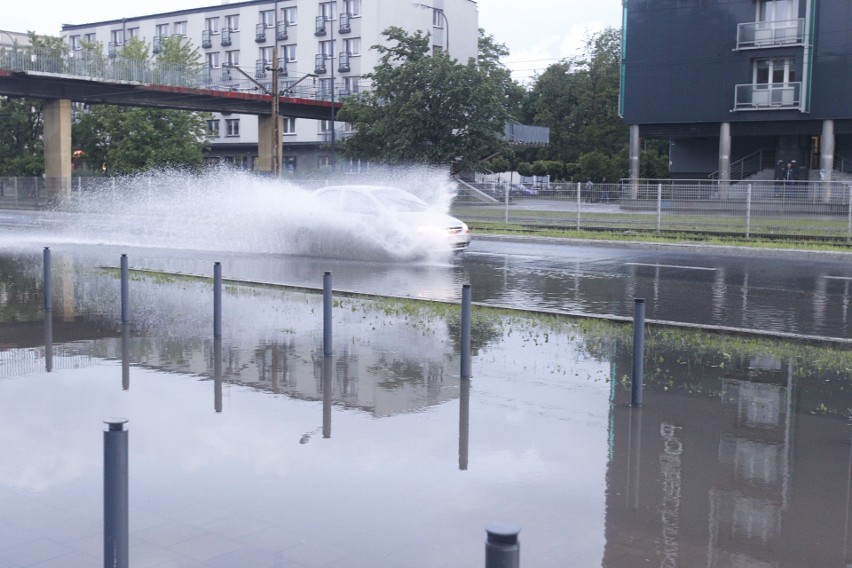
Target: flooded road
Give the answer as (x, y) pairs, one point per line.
(257, 451)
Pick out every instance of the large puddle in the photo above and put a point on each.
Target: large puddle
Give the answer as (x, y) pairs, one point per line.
(257, 451)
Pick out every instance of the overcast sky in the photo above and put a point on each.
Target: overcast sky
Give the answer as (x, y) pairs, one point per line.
(537, 32)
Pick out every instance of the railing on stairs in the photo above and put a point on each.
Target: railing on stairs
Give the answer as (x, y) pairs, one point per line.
(749, 165)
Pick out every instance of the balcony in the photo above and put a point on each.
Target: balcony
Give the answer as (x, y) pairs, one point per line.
(260, 33)
(343, 63)
(281, 32)
(320, 26)
(319, 67)
(157, 44)
(756, 35)
(225, 40)
(260, 69)
(763, 96)
(206, 39)
(345, 24)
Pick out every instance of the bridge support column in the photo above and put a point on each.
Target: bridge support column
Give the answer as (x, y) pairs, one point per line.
(265, 125)
(724, 159)
(57, 147)
(634, 161)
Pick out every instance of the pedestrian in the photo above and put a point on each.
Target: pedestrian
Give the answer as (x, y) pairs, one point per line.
(789, 179)
(590, 188)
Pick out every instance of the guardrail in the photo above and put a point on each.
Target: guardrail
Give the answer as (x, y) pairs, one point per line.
(806, 209)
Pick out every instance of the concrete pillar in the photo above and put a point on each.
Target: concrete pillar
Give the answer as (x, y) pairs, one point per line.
(826, 158)
(724, 159)
(264, 142)
(57, 147)
(634, 161)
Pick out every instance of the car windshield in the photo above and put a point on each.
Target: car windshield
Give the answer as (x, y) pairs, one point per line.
(399, 200)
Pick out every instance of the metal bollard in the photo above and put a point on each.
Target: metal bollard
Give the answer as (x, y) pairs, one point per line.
(326, 314)
(465, 332)
(502, 549)
(48, 287)
(638, 352)
(217, 299)
(125, 288)
(116, 550)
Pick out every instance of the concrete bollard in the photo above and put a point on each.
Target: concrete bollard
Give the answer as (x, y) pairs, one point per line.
(116, 514)
(465, 332)
(48, 284)
(217, 299)
(125, 290)
(638, 352)
(502, 549)
(326, 314)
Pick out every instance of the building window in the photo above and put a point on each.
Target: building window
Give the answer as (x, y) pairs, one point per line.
(180, 28)
(774, 71)
(352, 7)
(437, 18)
(163, 30)
(267, 18)
(213, 128)
(233, 22)
(265, 54)
(328, 10)
(290, 53)
(288, 15)
(89, 38)
(213, 60)
(351, 85)
(326, 48)
(132, 32)
(117, 37)
(777, 10)
(233, 57)
(325, 92)
(352, 46)
(289, 125)
(75, 43)
(212, 25)
(232, 127)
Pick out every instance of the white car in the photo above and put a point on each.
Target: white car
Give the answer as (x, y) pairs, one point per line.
(396, 215)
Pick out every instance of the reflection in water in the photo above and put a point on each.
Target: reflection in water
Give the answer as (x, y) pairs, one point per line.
(217, 374)
(464, 423)
(48, 340)
(125, 356)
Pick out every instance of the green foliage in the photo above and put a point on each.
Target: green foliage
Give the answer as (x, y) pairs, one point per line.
(21, 148)
(126, 140)
(525, 169)
(428, 108)
(499, 164)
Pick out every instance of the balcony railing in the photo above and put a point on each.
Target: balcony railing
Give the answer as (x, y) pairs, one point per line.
(345, 24)
(206, 39)
(755, 35)
(157, 44)
(768, 96)
(319, 66)
(281, 33)
(260, 69)
(225, 40)
(260, 33)
(320, 26)
(343, 62)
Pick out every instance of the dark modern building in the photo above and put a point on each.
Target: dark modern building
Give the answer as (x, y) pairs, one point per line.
(740, 87)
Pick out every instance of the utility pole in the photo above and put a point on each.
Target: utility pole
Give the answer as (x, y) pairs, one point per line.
(276, 115)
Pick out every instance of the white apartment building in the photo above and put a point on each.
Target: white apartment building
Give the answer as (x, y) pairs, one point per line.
(324, 49)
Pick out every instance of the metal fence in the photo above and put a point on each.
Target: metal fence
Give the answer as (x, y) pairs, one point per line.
(806, 209)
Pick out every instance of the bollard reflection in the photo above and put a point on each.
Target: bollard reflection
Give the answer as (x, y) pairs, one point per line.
(48, 340)
(327, 367)
(217, 374)
(634, 458)
(125, 356)
(464, 422)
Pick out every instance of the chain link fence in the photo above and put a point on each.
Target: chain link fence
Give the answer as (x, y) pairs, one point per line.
(774, 209)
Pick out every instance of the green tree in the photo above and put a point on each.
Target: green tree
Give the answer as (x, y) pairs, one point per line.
(578, 99)
(427, 108)
(125, 140)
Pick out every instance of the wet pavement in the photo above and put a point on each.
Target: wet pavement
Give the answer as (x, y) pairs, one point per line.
(258, 451)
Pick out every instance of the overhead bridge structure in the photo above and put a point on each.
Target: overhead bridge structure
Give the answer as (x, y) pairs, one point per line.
(59, 81)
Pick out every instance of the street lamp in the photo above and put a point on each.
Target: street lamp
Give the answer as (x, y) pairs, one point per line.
(443, 15)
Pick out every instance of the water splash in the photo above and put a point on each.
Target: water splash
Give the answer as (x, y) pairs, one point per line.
(223, 209)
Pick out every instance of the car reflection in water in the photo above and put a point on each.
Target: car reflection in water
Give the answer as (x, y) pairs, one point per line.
(388, 219)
